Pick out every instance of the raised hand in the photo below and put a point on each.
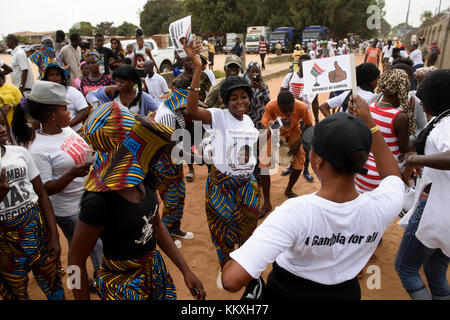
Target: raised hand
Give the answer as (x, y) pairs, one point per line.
(338, 74)
(192, 50)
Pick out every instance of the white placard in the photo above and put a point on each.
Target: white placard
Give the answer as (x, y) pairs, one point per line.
(329, 74)
(181, 30)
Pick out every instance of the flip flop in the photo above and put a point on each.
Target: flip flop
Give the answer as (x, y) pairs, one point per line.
(187, 236)
(286, 172)
(219, 280)
(190, 177)
(178, 243)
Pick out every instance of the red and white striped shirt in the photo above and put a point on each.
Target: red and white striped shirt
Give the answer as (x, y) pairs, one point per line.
(262, 47)
(384, 118)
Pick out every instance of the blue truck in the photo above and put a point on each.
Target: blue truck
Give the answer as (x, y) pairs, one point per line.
(287, 36)
(314, 33)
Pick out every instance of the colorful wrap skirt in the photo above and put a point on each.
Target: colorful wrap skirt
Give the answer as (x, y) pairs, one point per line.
(145, 278)
(232, 211)
(23, 248)
(172, 190)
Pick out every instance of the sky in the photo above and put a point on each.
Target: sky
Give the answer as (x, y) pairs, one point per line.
(29, 15)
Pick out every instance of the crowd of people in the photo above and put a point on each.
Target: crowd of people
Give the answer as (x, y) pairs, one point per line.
(88, 147)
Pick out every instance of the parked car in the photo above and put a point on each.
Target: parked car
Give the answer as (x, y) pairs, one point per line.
(164, 58)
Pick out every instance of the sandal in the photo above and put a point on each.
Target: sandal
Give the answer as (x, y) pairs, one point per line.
(187, 236)
(286, 172)
(190, 177)
(178, 243)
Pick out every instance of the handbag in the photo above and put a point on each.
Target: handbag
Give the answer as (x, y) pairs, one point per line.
(255, 290)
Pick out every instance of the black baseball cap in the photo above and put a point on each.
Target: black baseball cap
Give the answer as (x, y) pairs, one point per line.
(232, 83)
(338, 136)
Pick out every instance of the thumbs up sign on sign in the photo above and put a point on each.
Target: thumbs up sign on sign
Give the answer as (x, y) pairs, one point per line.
(338, 74)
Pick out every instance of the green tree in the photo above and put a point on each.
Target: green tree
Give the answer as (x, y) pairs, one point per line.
(83, 28)
(106, 28)
(385, 28)
(126, 29)
(157, 15)
(426, 16)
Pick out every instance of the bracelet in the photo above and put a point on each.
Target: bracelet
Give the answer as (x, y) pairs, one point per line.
(375, 129)
(194, 89)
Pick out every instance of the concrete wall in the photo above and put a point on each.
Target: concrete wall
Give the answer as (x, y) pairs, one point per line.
(437, 31)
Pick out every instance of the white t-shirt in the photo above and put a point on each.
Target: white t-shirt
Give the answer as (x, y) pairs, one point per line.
(416, 57)
(211, 76)
(54, 156)
(340, 51)
(404, 54)
(157, 87)
(387, 51)
(20, 170)
(19, 63)
(232, 140)
(295, 84)
(337, 101)
(312, 54)
(434, 226)
(323, 241)
(79, 103)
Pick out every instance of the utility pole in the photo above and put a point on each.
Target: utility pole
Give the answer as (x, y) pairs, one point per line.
(406, 23)
(439, 10)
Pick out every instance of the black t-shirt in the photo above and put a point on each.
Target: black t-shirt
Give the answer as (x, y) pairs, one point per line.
(106, 54)
(128, 227)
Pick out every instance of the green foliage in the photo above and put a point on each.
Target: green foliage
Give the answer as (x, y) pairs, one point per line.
(426, 16)
(219, 74)
(157, 15)
(106, 28)
(340, 16)
(126, 29)
(83, 28)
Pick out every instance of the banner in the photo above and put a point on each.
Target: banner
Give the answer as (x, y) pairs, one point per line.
(329, 74)
(180, 32)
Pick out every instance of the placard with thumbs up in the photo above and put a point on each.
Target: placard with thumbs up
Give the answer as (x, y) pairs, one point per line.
(336, 74)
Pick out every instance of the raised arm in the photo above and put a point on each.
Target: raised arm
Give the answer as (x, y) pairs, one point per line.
(149, 53)
(193, 110)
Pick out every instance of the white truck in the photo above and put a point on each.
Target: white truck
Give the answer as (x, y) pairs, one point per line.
(164, 58)
(253, 37)
(230, 41)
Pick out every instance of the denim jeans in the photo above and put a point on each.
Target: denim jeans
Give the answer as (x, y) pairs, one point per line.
(67, 225)
(412, 254)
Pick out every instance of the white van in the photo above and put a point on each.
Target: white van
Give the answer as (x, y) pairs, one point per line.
(164, 58)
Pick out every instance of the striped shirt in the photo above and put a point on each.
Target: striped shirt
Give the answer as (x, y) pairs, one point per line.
(384, 118)
(262, 47)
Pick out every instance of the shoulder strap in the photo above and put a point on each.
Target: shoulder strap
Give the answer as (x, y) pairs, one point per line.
(346, 101)
(290, 78)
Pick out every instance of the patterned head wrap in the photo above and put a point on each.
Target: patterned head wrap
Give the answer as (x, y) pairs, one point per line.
(251, 64)
(46, 56)
(177, 99)
(94, 54)
(421, 73)
(396, 82)
(126, 146)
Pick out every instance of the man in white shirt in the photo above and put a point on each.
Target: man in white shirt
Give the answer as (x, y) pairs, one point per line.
(155, 83)
(22, 75)
(71, 56)
(416, 57)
